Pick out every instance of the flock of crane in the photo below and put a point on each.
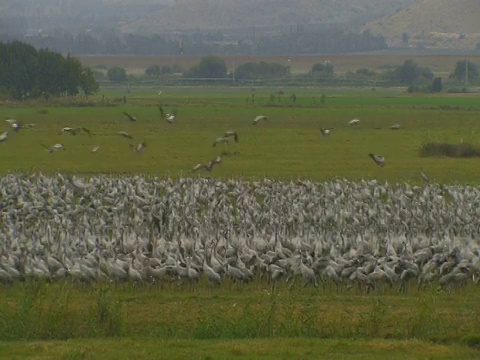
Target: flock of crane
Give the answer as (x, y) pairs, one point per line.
(362, 234)
(16, 126)
(156, 230)
(171, 118)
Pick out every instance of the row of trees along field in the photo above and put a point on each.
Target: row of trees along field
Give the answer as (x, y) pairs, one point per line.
(297, 42)
(27, 72)
(418, 78)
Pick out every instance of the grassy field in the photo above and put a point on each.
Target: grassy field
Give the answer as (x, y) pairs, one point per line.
(76, 322)
(248, 321)
(287, 146)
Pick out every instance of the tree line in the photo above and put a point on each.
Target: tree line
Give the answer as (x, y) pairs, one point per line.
(302, 42)
(27, 72)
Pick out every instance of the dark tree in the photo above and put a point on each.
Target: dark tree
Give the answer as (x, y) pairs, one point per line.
(324, 69)
(437, 84)
(26, 72)
(209, 67)
(153, 71)
(87, 82)
(465, 71)
(117, 74)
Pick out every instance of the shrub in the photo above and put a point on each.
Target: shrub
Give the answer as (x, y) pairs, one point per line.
(463, 150)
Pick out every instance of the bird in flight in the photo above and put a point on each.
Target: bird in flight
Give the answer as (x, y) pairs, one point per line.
(209, 165)
(326, 132)
(231, 133)
(395, 127)
(4, 136)
(169, 117)
(424, 177)
(258, 118)
(131, 117)
(379, 160)
(354, 122)
(54, 148)
(219, 140)
(139, 147)
(75, 130)
(95, 149)
(125, 134)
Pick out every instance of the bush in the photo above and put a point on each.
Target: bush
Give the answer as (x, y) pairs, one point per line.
(463, 150)
(117, 74)
(153, 71)
(437, 84)
(209, 67)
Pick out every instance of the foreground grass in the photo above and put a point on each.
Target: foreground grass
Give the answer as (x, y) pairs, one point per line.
(33, 311)
(282, 348)
(288, 146)
(74, 321)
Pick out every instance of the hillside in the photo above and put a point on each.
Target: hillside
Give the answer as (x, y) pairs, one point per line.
(234, 14)
(432, 24)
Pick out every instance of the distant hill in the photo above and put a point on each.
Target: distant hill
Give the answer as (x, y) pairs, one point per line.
(432, 24)
(243, 14)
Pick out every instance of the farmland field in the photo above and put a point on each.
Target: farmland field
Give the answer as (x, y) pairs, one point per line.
(254, 320)
(288, 145)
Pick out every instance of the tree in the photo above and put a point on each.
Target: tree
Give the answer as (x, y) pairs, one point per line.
(153, 71)
(209, 67)
(437, 84)
(465, 71)
(117, 74)
(87, 82)
(410, 73)
(26, 72)
(323, 70)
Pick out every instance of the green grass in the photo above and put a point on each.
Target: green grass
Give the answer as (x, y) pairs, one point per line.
(65, 320)
(288, 146)
(75, 322)
(290, 348)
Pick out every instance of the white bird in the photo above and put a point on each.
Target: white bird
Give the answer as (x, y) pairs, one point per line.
(258, 118)
(66, 129)
(424, 177)
(354, 122)
(125, 134)
(139, 147)
(4, 136)
(379, 160)
(326, 132)
(95, 149)
(169, 117)
(209, 165)
(231, 133)
(131, 117)
(75, 131)
(221, 139)
(395, 127)
(54, 148)
(11, 121)
(16, 126)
